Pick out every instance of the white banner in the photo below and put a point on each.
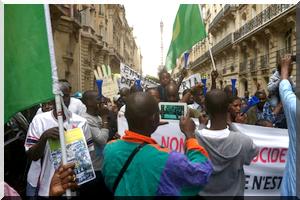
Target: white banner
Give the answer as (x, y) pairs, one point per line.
(263, 176)
(190, 82)
(128, 77)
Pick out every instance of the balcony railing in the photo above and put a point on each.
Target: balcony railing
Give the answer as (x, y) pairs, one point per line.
(243, 67)
(264, 61)
(253, 64)
(200, 60)
(223, 43)
(266, 15)
(221, 14)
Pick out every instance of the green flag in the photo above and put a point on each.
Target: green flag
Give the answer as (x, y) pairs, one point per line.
(27, 69)
(188, 29)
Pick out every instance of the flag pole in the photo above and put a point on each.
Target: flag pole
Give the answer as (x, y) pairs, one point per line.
(56, 90)
(211, 56)
(209, 48)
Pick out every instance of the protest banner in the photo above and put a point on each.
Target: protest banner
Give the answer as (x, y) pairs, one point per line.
(128, 77)
(263, 176)
(190, 82)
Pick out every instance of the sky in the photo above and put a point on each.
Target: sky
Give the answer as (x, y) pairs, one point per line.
(145, 19)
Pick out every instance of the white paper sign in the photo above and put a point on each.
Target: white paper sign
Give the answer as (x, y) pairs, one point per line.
(128, 77)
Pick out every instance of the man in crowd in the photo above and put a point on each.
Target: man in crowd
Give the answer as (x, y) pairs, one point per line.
(124, 93)
(35, 166)
(289, 101)
(263, 110)
(153, 170)
(164, 79)
(229, 92)
(155, 93)
(172, 92)
(75, 106)
(190, 101)
(44, 127)
(234, 111)
(246, 96)
(228, 150)
(97, 119)
(197, 107)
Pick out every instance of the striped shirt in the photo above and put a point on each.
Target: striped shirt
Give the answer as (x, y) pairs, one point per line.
(37, 127)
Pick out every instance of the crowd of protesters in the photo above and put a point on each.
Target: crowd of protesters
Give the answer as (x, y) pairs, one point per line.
(135, 165)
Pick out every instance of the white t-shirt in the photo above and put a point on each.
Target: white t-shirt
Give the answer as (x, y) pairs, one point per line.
(35, 166)
(38, 126)
(76, 106)
(216, 133)
(39, 111)
(34, 173)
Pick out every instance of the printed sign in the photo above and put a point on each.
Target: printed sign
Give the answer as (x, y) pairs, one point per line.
(128, 77)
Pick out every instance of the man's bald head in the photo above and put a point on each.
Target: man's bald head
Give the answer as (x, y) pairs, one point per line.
(172, 92)
(89, 96)
(91, 100)
(142, 113)
(216, 102)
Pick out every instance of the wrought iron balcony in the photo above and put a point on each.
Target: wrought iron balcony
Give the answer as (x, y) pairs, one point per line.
(264, 61)
(243, 67)
(200, 60)
(223, 43)
(221, 14)
(265, 16)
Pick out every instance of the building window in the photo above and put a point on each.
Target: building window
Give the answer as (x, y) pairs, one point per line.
(101, 9)
(267, 46)
(243, 18)
(253, 10)
(288, 41)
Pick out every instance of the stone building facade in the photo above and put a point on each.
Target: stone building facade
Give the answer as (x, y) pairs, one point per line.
(89, 35)
(246, 41)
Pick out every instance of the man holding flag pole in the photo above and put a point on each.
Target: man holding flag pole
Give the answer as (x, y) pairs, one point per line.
(32, 80)
(188, 29)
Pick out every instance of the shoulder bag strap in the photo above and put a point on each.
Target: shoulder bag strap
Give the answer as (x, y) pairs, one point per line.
(125, 166)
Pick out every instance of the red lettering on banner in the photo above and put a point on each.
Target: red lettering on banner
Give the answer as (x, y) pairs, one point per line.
(270, 155)
(181, 144)
(261, 155)
(273, 159)
(282, 155)
(164, 142)
(173, 143)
